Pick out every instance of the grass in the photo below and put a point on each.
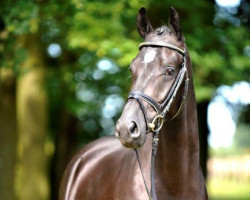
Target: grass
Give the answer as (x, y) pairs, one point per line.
(227, 189)
(224, 183)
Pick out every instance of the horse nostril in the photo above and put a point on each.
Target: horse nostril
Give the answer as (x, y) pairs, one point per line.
(133, 129)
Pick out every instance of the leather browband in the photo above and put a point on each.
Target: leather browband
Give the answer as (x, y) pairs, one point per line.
(161, 44)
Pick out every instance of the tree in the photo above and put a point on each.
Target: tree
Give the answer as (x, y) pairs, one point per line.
(8, 133)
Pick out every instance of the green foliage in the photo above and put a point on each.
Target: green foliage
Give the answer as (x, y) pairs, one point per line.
(108, 29)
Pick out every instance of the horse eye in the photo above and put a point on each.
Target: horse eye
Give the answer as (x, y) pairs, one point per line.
(170, 71)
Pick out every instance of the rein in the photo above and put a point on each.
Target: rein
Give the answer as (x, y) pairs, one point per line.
(161, 109)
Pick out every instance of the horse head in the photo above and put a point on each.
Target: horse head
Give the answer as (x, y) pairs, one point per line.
(158, 84)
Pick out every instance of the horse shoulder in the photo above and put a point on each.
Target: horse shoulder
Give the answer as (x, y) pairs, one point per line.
(97, 165)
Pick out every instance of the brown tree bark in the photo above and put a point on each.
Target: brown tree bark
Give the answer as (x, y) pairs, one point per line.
(32, 115)
(203, 134)
(8, 136)
(65, 147)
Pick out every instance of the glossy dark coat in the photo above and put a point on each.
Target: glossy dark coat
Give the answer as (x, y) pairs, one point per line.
(106, 170)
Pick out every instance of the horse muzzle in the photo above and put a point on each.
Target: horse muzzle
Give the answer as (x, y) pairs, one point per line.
(131, 127)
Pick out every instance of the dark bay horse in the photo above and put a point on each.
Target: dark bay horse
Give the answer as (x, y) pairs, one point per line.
(106, 170)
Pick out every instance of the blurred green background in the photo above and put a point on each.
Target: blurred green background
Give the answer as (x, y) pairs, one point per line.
(64, 79)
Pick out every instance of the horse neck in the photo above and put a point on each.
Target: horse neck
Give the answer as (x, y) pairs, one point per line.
(178, 150)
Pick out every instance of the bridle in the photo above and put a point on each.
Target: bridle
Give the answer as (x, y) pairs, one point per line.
(161, 109)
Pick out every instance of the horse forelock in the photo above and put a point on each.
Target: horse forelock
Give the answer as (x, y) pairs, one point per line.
(163, 32)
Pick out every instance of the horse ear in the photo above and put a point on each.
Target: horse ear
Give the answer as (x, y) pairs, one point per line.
(143, 25)
(174, 24)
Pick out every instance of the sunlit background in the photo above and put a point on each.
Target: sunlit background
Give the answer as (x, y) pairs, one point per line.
(223, 112)
(64, 80)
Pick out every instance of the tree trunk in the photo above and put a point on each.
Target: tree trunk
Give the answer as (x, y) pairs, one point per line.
(66, 146)
(32, 170)
(8, 136)
(203, 134)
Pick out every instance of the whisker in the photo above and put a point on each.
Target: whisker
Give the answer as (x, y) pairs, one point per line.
(129, 77)
(125, 82)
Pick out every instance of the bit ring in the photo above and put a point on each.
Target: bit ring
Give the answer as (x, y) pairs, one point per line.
(152, 125)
